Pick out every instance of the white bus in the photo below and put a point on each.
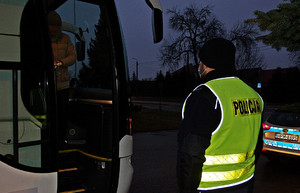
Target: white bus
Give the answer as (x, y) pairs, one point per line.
(89, 147)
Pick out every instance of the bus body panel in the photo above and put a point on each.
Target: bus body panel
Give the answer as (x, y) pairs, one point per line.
(126, 169)
(13, 180)
(9, 48)
(10, 15)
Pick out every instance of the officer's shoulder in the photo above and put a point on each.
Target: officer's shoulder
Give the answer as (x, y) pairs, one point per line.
(202, 89)
(202, 94)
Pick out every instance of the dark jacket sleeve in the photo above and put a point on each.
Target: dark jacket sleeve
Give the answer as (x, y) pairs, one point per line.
(201, 118)
(259, 145)
(190, 161)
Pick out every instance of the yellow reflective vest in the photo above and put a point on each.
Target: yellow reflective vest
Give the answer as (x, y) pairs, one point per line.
(230, 156)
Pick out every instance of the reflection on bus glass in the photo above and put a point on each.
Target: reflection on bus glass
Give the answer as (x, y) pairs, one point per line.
(64, 54)
(95, 71)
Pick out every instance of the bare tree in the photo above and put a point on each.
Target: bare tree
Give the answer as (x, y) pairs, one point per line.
(247, 53)
(193, 27)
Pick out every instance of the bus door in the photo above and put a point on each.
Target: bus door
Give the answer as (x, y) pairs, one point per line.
(89, 109)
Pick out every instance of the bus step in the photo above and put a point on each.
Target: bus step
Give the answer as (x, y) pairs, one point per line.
(74, 191)
(68, 177)
(68, 170)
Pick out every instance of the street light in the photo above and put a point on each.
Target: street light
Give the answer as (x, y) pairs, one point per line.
(136, 68)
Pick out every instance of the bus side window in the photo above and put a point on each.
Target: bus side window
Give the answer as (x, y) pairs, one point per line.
(29, 128)
(23, 127)
(6, 146)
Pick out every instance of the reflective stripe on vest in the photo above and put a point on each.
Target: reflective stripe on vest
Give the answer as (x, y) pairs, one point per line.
(228, 159)
(227, 175)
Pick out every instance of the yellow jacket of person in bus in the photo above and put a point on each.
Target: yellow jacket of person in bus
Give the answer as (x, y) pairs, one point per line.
(64, 54)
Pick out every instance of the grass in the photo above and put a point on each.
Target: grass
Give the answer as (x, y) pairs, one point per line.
(155, 120)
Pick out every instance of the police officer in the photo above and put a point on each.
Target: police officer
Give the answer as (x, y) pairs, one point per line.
(220, 136)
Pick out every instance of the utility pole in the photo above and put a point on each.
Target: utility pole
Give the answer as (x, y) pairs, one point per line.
(136, 68)
(136, 83)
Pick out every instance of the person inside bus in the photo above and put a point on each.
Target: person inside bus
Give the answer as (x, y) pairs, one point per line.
(64, 55)
(63, 50)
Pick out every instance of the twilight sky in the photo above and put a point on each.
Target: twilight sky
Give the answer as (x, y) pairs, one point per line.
(135, 18)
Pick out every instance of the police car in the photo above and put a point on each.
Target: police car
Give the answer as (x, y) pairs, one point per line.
(282, 132)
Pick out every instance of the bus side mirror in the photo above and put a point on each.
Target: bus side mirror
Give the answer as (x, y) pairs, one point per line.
(157, 19)
(80, 50)
(157, 25)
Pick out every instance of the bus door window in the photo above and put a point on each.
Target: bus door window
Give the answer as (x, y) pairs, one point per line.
(64, 54)
(92, 72)
(89, 28)
(88, 132)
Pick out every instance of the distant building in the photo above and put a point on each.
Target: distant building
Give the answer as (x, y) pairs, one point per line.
(188, 68)
(266, 76)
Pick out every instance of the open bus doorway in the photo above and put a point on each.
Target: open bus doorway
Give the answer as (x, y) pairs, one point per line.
(87, 108)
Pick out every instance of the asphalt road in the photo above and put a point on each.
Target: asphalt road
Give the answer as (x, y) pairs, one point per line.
(154, 162)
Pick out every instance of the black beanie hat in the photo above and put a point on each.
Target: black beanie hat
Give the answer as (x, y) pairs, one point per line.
(218, 53)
